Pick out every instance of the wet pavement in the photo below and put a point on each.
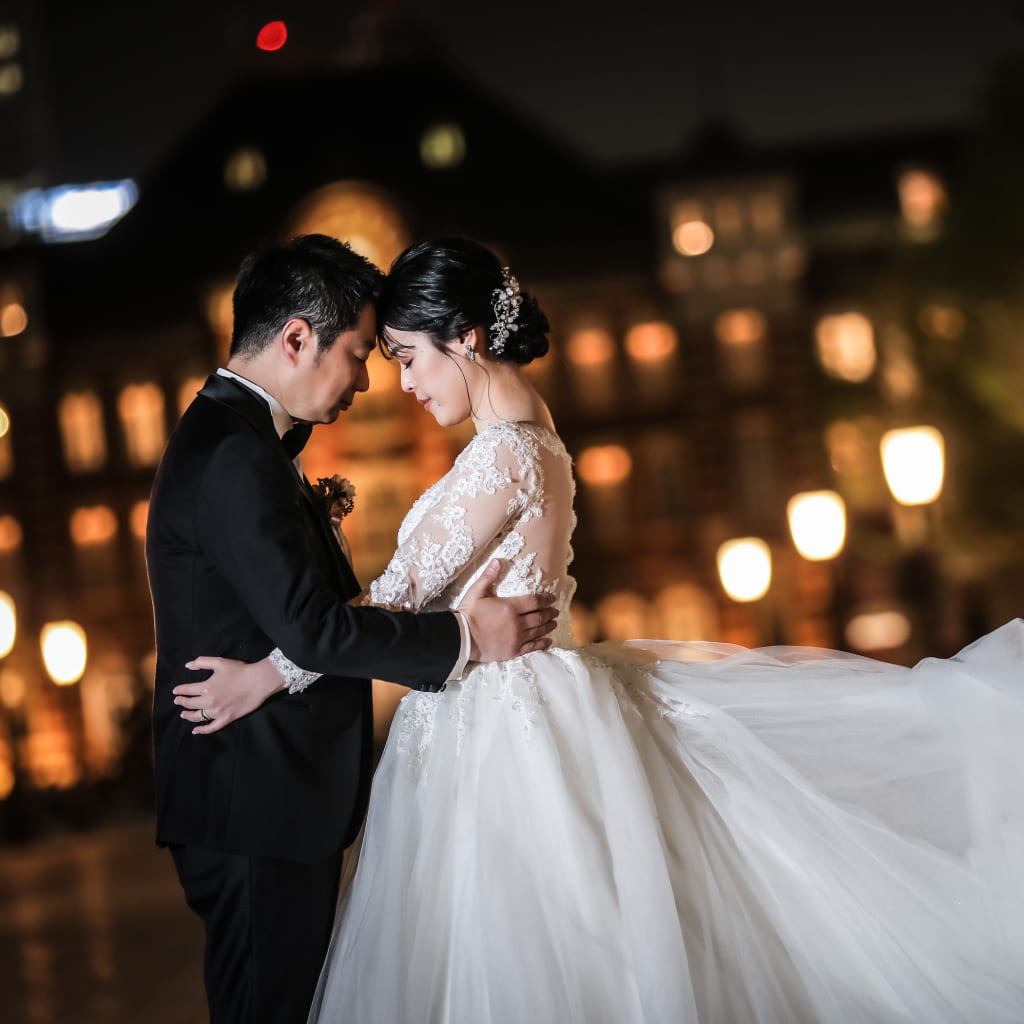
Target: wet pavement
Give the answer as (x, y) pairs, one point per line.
(94, 930)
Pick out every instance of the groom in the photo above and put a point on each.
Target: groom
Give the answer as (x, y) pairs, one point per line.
(242, 558)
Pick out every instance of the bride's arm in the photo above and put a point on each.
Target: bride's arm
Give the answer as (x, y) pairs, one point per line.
(459, 522)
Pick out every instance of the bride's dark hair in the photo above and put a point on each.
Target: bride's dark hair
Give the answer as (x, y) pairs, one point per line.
(444, 288)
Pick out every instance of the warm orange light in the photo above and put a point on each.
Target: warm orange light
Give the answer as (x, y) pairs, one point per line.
(623, 615)
(942, 321)
(65, 651)
(93, 525)
(922, 198)
(817, 523)
(10, 534)
(5, 421)
(13, 320)
(590, 347)
(745, 568)
(8, 623)
(245, 170)
(846, 346)
(878, 631)
(80, 414)
(12, 688)
(740, 327)
(605, 465)
(914, 462)
(651, 342)
(138, 517)
(693, 237)
(141, 408)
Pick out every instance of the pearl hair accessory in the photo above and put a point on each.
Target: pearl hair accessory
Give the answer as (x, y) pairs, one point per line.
(507, 300)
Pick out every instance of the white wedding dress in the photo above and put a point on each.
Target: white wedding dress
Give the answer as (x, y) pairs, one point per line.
(661, 832)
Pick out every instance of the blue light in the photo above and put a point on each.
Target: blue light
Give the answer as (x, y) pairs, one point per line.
(73, 213)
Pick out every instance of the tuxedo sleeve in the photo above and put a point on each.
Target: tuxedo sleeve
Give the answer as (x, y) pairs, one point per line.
(252, 524)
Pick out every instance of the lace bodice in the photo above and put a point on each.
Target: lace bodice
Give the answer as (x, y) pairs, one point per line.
(509, 495)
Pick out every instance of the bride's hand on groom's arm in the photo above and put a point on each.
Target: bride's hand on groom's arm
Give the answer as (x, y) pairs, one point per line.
(505, 627)
(233, 690)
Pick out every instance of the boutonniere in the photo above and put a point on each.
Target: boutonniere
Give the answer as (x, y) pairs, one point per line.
(338, 494)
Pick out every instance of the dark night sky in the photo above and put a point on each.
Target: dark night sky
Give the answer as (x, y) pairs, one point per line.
(129, 79)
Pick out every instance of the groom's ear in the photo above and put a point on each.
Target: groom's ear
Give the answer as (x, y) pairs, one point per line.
(297, 340)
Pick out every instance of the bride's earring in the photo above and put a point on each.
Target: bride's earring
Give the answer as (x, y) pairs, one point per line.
(470, 354)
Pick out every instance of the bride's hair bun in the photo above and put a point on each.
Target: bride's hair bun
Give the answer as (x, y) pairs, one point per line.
(530, 341)
(445, 288)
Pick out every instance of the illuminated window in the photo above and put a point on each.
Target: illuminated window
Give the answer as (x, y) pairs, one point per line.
(686, 612)
(80, 414)
(10, 41)
(652, 347)
(245, 170)
(6, 452)
(652, 342)
(10, 535)
(141, 408)
(790, 262)
(878, 630)
(11, 79)
(93, 526)
(923, 200)
(766, 213)
(188, 391)
(846, 346)
(728, 216)
(361, 215)
(742, 347)
(591, 355)
(590, 347)
(138, 518)
(443, 146)
(624, 615)
(716, 273)
(751, 268)
(604, 466)
(940, 321)
(13, 319)
(603, 471)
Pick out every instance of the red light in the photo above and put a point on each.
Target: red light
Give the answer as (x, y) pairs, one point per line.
(272, 36)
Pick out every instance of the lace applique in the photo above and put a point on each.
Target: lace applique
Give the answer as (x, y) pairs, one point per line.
(414, 723)
(512, 682)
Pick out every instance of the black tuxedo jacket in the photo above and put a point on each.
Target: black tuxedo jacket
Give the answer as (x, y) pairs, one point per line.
(241, 559)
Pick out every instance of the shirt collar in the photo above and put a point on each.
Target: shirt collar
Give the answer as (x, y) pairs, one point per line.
(282, 419)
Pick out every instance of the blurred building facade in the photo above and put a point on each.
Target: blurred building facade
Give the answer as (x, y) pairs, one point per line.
(722, 342)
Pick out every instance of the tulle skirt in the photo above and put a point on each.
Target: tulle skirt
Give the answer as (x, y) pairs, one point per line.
(660, 832)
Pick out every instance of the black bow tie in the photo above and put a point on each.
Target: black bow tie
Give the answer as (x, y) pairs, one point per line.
(294, 440)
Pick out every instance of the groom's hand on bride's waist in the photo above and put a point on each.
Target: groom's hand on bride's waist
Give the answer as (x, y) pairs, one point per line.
(505, 627)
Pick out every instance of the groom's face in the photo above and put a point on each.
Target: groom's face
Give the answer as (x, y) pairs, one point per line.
(328, 381)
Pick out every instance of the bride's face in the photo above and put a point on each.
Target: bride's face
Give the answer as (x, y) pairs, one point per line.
(438, 377)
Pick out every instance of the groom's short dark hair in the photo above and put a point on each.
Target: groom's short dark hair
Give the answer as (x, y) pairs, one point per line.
(314, 277)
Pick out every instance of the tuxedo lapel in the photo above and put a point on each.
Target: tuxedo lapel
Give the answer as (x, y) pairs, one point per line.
(255, 411)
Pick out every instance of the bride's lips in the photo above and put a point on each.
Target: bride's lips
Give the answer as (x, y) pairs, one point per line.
(425, 402)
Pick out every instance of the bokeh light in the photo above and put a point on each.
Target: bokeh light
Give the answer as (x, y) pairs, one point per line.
(745, 568)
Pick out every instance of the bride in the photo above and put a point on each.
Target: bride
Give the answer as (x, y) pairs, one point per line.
(652, 831)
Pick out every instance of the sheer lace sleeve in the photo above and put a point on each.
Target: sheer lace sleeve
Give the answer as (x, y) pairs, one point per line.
(452, 526)
(490, 504)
